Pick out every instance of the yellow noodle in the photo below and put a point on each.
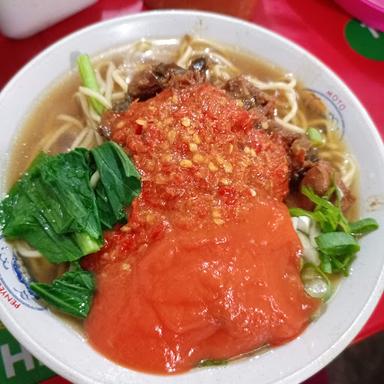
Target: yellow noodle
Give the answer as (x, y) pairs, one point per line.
(50, 140)
(25, 250)
(70, 119)
(79, 138)
(96, 95)
(109, 82)
(88, 140)
(119, 80)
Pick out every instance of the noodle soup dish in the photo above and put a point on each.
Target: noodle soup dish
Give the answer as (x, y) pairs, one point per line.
(189, 205)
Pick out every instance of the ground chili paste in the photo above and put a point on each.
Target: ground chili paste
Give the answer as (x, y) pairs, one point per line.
(208, 265)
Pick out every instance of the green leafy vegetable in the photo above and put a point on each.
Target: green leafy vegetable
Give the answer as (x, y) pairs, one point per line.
(364, 226)
(337, 250)
(111, 194)
(315, 136)
(336, 244)
(212, 363)
(54, 208)
(71, 293)
(88, 79)
(62, 193)
(336, 264)
(329, 216)
(22, 218)
(326, 263)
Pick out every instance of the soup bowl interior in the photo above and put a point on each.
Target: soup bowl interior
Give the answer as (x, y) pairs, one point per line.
(64, 348)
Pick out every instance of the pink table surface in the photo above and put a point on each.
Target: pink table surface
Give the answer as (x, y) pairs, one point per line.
(316, 25)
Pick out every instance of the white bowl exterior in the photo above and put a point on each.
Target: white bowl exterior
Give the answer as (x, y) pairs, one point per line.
(62, 348)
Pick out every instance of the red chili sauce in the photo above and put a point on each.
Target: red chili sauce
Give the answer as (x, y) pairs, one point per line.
(208, 265)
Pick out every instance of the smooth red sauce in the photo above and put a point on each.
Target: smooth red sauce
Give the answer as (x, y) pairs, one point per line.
(208, 265)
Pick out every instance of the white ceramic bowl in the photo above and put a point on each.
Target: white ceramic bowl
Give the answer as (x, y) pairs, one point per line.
(64, 350)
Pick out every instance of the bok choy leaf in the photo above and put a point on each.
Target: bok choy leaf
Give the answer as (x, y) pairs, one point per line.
(71, 293)
(54, 208)
(111, 194)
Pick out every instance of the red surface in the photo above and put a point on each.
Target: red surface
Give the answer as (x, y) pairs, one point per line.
(56, 380)
(183, 196)
(184, 311)
(317, 25)
(173, 299)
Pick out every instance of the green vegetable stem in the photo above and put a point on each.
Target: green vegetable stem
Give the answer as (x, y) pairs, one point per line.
(315, 282)
(212, 362)
(363, 226)
(88, 78)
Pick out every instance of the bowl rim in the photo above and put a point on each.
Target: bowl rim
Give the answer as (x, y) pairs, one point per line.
(344, 339)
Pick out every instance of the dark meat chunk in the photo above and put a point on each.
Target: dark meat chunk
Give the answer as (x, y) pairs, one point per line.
(171, 75)
(320, 178)
(167, 73)
(251, 96)
(104, 129)
(301, 153)
(122, 105)
(152, 80)
(287, 135)
(144, 85)
(199, 64)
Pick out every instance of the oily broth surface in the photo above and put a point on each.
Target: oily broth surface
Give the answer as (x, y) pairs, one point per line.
(42, 120)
